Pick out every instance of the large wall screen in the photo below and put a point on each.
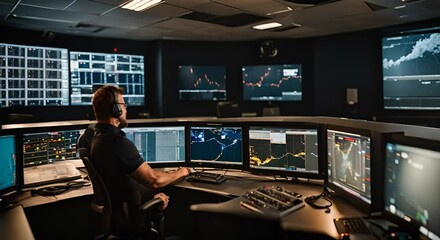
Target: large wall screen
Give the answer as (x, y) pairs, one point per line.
(411, 70)
(272, 82)
(33, 76)
(92, 70)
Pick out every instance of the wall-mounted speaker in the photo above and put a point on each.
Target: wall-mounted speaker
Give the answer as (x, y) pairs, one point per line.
(267, 49)
(352, 96)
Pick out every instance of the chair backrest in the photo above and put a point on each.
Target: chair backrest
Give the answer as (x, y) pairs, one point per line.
(98, 200)
(100, 188)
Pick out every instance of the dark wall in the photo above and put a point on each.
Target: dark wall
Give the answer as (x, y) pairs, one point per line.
(347, 61)
(233, 55)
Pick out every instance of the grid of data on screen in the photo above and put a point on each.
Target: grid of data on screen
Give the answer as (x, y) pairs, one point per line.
(159, 144)
(91, 70)
(47, 147)
(33, 76)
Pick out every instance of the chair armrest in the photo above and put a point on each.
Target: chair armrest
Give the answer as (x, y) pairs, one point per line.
(153, 204)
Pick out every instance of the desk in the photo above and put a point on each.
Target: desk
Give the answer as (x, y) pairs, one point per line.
(64, 216)
(37, 200)
(306, 219)
(14, 224)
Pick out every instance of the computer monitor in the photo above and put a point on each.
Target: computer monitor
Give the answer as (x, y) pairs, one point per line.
(159, 145)
(272, 82)
(349, 164)
(8, 165)
(50, 146)
(288, 150)
(33, 76)
(201, 82)
(216, 145)
(411, 191)
(89, 70)
(411, 70)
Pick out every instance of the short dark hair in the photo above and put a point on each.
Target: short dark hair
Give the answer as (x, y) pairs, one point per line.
(103, 101)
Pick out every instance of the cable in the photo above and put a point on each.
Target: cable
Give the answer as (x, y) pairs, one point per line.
(58, 189)
(311, 200)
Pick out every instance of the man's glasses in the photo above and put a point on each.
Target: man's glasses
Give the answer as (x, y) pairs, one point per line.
(123, 104)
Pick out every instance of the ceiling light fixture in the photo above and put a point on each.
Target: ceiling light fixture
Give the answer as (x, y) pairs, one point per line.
(399, 7)
(140, 5)
(280, 11)
(267, 26)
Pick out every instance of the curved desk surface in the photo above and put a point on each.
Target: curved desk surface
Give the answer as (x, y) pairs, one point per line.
(305, 219)
(14, 224)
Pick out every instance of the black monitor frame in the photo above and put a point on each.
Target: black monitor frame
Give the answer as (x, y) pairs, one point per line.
(37, 128)
(36, 131)
(271, 97)
(18, 171)
(400, 139)
(181, 90)
(419, 91)
(63, 90)
(289, 126)
(213, 164)
(164, 124)
(95, 86)
(375, 166)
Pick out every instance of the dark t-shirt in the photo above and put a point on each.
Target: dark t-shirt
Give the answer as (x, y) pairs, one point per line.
(115, 158)
(85, 140)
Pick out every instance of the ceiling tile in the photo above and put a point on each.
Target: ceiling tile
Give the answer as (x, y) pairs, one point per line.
(86, 6)
(110, 2)
(166, 10)
(186, 3)
(58, 4)
(216, 9)
(50, 14)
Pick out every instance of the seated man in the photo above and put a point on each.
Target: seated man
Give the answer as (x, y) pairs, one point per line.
(118, 162)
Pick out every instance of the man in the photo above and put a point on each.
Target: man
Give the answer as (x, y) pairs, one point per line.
(117, 160)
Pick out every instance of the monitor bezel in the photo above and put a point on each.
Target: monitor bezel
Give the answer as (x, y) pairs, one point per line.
(179, 80)
(68, 104)
(374, 164)
(211, 164)
(301, 65)
(400, 32)
(289, 125)
(36, 128)
(97, 86)
(411, 141)
(18, 166)
(164, 124)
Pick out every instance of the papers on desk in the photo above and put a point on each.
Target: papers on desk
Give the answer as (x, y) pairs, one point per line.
(50, 173)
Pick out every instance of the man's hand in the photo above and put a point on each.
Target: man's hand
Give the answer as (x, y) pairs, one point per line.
(164, 198)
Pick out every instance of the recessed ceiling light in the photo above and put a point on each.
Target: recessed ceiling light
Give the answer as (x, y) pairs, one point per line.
(399, 7)
(280, 11)
(267, 26)
(140, 5)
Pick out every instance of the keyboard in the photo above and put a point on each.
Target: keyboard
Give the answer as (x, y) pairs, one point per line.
(351, 225)
(206, 177)
(272, 199)
(50, 173)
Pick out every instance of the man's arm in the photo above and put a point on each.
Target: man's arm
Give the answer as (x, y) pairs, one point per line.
(156, 179)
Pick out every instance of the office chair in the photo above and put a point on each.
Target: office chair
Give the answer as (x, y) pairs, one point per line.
(116, 227)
